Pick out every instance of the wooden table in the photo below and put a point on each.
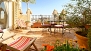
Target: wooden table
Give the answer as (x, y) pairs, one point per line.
(53, 23)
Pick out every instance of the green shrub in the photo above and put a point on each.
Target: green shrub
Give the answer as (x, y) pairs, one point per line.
(89, 38)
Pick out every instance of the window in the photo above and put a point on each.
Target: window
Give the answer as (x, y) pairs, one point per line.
(2, 14)
(2, 10)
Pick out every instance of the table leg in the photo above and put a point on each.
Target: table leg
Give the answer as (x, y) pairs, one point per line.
(50, 30)
(54, 28)
(62, 31)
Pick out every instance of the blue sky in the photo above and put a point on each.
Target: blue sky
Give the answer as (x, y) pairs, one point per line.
(45, 7)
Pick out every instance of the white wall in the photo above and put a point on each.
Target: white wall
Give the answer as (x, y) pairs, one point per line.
(10, 15)
(9, 12)
(8, 8)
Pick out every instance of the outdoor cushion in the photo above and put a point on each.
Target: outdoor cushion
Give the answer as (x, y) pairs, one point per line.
(58, 26)
(20, 42)
(46, 25)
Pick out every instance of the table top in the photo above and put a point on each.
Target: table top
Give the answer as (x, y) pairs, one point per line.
(57, 21)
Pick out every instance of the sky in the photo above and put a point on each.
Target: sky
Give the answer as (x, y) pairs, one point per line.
(45, 7)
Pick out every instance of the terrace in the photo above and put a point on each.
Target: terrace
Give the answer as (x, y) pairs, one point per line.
(42, 37)
(59, 31)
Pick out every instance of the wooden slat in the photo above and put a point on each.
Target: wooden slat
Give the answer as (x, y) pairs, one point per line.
(8, 38)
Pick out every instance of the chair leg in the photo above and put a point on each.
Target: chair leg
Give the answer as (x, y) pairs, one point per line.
(2, 35)
(35, 47)
(4, 47)
(13, 37)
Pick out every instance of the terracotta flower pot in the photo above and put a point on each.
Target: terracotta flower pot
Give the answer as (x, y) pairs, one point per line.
(27, 23)
(82, 41)
(87, 26)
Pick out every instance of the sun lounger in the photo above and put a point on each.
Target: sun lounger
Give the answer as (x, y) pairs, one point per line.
(3, 47)
(22, 43)
(12, 36)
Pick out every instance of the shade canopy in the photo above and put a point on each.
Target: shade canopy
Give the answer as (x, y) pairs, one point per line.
(30, 1)
(7, 1)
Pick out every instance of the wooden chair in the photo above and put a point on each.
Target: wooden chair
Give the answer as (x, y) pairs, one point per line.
(22, 43)
(21, 24)
(1, 32)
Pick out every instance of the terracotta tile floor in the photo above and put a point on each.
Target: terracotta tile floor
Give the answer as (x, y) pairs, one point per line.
(42, 37)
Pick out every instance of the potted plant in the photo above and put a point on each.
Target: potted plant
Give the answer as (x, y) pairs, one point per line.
(80, 9)
(81, 32)
(86, 30)
(27, 23)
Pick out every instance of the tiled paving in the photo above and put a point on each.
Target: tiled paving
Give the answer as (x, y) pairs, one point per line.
(42, 37)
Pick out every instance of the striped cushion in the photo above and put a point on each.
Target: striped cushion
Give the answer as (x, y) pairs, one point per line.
(20, 23)
(20, 42)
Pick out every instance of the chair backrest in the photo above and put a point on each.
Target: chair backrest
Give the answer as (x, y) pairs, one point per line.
(21, 43)
(20, 23)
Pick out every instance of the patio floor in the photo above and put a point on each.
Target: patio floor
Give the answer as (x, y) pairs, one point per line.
(42, 37)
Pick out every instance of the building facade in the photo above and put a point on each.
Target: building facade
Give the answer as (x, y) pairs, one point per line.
(10, 11)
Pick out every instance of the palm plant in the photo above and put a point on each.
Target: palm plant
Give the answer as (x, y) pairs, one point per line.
(28, 1)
